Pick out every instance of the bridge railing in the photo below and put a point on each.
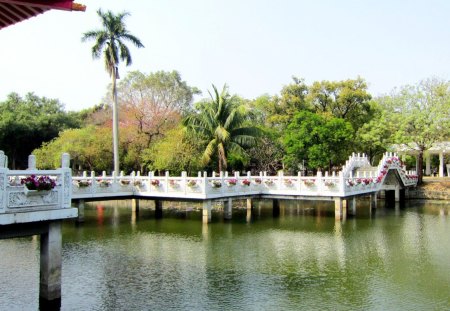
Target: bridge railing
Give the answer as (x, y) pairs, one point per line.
(223, 184)
(202, 186)
(16, 197)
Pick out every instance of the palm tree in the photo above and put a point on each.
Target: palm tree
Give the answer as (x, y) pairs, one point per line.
(219, 123)
(109, 42)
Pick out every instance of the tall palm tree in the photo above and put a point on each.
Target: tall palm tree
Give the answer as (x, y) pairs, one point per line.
(109, 41)
(219, 123)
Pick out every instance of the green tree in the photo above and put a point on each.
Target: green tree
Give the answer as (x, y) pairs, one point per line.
(110, 41)
(176, 152)
(319, 140)
(219, 124)
(420, 114)
(347, 99)
(89, 149)
(25, 123)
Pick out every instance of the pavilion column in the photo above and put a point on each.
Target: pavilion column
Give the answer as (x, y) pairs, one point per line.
(428, 165)
(417, 164)
(441, 164)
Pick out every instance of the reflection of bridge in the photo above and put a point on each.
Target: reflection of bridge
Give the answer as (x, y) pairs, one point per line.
(24, 212)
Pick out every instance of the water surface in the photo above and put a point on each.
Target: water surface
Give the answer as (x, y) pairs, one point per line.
(390, 259)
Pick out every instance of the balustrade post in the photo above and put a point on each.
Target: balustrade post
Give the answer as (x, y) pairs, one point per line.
(31, 162)
(2, 159)
(166, 182)
(319, 181)
(65, 196)
(184, 180)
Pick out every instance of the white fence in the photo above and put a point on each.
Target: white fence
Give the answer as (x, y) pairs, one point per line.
(346, 183)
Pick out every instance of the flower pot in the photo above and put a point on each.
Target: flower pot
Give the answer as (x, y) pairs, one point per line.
(30, 193)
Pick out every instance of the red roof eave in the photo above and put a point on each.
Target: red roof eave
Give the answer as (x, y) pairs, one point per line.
(14, 11)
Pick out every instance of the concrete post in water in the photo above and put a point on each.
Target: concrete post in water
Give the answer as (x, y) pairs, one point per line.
(80, 218)
(135, 205)
(397, 194)
(228, 209)
(158, 209)
(373, 200)
(352, 207)
(276, 207)
(50, 266)
(249, 203)
(206, 211)
(338, 208)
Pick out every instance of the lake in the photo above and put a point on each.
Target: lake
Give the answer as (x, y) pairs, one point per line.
(302, 259)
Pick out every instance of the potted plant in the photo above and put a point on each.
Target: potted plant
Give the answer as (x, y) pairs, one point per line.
(104, 183)
(191, 183)
(329, 183)
(309, 182)
(83, 183)
(173, 183)
(216, 184)
(268, 182)
(34, 184)
(246, 182)
(155, 183)
(232, 182)
(258, 181)
(288, 182)
(125, 182)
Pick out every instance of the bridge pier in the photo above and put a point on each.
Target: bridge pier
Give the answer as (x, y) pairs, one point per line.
(135, 205)
(158, 209)
(276, 207)
(228, 209)
(80, 206)
(51, 262)
(207, 207)
(351, 206)
(373, 201)
(340, 212)
(249, 210)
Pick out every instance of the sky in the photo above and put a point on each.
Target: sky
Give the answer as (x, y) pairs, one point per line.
(254, 46)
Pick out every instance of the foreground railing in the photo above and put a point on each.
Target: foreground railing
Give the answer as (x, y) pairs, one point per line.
(16, 197)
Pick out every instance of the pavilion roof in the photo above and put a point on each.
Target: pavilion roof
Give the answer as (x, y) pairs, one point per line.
(14, 11)
(411, 148)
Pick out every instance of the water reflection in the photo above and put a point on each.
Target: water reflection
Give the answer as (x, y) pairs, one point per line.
(302, 259)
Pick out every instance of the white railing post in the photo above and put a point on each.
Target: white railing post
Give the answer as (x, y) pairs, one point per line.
(166, 183)
(66, 183)
(31, 162)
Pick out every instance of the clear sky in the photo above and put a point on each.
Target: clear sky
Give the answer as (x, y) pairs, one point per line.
(255, 46)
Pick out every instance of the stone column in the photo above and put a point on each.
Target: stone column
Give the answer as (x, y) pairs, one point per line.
(352, 207)
(249, 210)
(207, 211)
(228, 209)
(158, 209)
(276, 207)
(50, 266)
(441, 164)
(397, 194)
(373, 200)
(80, 218)
(428, 164)
(338, 208)
(135, 205)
